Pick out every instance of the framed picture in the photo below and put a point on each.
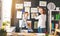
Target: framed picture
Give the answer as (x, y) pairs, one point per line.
(27, 9)
(20, 23)
(29, 24)
(42, 3)
(26, 17)
(27, 4)
(19, 6)
(34, 10)
(19, 15)
(35, 24)
(33, 15)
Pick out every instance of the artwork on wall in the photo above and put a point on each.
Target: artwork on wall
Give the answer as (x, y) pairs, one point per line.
(34, 10)
(29, 24)
(33, 15)
(19, 14)
(42, 3)
(19, 6)
(27, 4)
(20, 23)
(35, 24)
(27, 9)
(26, 17)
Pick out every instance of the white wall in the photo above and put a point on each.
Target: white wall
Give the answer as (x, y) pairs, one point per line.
(6, 10)
(0, 11)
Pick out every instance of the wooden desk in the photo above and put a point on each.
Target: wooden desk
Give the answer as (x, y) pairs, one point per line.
(26, 34)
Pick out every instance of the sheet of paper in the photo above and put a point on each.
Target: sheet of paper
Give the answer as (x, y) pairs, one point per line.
(33, 15)
(19, 14)
(27, 9)
(27, 4)
(29, 24)
(19, 6)
(34, 10)
(42, 3)
(35, 24)
(20, 23)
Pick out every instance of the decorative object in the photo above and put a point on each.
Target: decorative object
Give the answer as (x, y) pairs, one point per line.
(35, 24)
(33, 15)
(42, 3)
(19, 6)
(27, 4)
(51, 6)
(19, 15)
(34, 10)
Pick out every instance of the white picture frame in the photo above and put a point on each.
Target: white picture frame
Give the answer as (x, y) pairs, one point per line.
(34, 10)
(35, 24)
(19, 15)
(42, 3)
(33, 15)
(27, 4)
(20, 23)
(27, 9)
(29, 24)
(19, 6)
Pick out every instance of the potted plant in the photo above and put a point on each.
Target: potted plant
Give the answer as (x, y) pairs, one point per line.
(2, 30)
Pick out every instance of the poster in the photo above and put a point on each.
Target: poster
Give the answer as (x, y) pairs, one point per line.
(26, 17)
(27, 9)
(20, 23)
(29, 24)
(35, 24)
(19, 6)
(42, 3)
(27, 4)
(34, 10)
(33, 15)
(19, 14)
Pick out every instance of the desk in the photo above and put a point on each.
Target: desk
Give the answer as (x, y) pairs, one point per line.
(26, 34)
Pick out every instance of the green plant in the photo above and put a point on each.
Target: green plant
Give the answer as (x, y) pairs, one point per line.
(3, 32)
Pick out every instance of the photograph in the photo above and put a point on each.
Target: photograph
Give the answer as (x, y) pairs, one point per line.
(27, 9)
(26, 15)
(35, 24)
(19, 6)
(30, 17)
(33, 15)
(29, 24)
(34, 10)
(42, 3)
(19, 15)
(20, 23)
(27, 4)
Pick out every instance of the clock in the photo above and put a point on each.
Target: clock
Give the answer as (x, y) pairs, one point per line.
(51, 6)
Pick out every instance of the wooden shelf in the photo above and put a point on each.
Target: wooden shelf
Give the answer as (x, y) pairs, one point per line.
(54, 20)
